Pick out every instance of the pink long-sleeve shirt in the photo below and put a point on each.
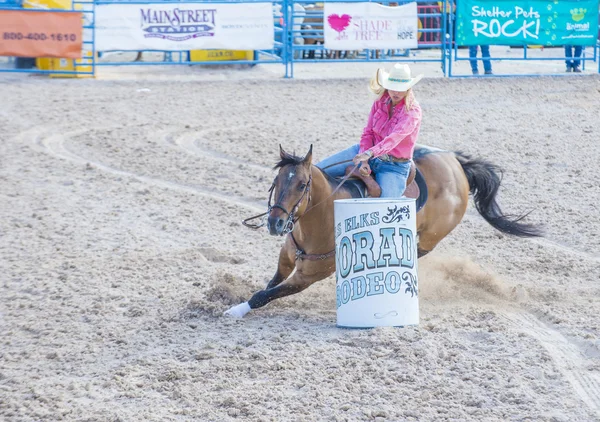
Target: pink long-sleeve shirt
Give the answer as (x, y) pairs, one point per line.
(395, 136)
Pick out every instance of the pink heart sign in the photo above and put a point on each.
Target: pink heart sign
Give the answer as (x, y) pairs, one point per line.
(339, 23)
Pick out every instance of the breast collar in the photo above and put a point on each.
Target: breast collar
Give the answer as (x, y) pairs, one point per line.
(300, 254)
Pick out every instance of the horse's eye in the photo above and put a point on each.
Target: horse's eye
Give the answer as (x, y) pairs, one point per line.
(302, 186)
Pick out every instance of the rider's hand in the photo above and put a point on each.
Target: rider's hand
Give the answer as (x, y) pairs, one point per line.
(365, 169)
(361, 157)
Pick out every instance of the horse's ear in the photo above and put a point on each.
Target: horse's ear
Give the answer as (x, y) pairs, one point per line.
(308, 157)
(282, 153)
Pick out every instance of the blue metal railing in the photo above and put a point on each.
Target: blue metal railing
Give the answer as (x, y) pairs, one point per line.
(294, 24)
(305, 23)
(589, 54)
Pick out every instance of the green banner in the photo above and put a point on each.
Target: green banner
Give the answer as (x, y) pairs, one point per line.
(526, 22)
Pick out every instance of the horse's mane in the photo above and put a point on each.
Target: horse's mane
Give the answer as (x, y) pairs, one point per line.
(288, 159)
(295, 160)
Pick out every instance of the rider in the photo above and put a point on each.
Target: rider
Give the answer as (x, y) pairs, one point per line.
(388, 140)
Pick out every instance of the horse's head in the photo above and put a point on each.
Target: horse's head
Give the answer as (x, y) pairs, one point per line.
(291, 192)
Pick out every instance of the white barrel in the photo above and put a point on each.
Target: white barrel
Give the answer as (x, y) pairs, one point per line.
(376, 262)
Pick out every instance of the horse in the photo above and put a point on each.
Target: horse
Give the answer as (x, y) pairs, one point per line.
(303, 212)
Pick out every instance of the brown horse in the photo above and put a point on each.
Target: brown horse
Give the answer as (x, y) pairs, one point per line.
(303, 212)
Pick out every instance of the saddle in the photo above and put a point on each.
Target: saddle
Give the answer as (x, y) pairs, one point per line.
(416, 188)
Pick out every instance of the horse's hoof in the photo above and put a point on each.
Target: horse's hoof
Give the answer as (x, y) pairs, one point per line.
(238, 311)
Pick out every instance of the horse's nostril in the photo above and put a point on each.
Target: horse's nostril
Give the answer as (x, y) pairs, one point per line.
(279, 226)
(275, 225)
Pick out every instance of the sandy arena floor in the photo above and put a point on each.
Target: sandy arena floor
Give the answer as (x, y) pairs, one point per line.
(121, 245)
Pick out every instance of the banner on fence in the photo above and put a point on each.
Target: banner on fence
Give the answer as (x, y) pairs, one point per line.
(184, 26)
(40, 34)
(356, 26)
(527, 22)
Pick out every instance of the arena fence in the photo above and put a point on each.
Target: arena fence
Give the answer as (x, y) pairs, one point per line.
(524, 54)
(276, 55)
(299, 36)
(306, 22)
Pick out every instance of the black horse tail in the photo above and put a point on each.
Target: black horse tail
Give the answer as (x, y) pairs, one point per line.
(484, 180)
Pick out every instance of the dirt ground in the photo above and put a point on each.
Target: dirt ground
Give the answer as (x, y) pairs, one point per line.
(121, 245)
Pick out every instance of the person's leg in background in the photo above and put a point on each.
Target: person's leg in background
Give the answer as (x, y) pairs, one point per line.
(473, 57)
(569, 55)
(487, 64)
(343, 160)
(576, 61)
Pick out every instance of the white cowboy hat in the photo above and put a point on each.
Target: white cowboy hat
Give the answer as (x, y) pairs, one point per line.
(398, 79)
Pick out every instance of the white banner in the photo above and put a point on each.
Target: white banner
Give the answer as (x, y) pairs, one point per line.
(355, 26)
(184, 26)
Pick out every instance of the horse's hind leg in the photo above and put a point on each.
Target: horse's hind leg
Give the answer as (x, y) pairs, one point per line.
(421, 252)
(285, 266)
(427, 241)
(448, 199)
(439, 228)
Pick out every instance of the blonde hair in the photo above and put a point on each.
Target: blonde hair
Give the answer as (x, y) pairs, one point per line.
(379, 91)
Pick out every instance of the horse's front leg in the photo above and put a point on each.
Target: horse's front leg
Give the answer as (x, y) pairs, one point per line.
(306, 274)
(286, 264)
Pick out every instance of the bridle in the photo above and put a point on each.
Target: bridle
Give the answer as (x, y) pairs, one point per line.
(289, 223)
(291, 218)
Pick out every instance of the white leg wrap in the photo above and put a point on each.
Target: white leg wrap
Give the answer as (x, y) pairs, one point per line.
(238, 311)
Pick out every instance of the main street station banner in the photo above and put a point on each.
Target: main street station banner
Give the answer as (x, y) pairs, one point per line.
(184, 26)
(523, 22)
(355, 26)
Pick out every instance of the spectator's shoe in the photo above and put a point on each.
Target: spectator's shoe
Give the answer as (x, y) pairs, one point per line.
(488, 72)
(569, 69)
(476, 72)
(576, 69)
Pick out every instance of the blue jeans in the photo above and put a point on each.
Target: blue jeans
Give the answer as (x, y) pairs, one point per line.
(391, 176)
(569, 54)
(485, 53)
